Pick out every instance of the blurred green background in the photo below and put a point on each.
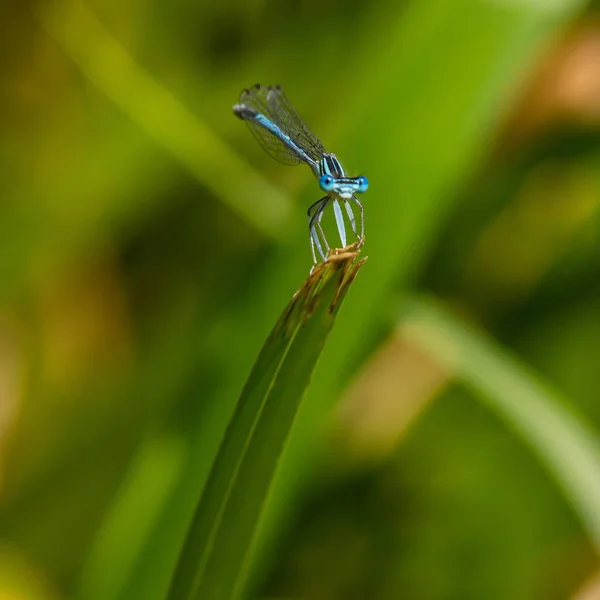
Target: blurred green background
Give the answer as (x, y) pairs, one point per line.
(148, 245)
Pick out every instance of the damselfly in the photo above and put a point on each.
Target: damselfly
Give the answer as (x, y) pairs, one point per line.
(281, 131)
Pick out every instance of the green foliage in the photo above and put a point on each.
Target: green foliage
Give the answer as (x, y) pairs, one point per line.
(148, 245)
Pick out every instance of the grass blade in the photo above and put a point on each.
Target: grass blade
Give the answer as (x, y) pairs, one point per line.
(107, 64)
(564, 440)
(215, 558)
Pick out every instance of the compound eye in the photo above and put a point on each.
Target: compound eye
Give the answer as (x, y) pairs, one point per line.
(327, 183)
(363, 184)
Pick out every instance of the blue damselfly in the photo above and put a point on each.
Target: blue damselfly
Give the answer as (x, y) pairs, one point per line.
(283, 134)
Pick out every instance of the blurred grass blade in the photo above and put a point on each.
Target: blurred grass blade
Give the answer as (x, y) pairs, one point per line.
(106, 63)
(565, 442)
(215, 558)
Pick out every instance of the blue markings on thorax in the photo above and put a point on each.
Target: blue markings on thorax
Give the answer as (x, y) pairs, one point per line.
(330, 165)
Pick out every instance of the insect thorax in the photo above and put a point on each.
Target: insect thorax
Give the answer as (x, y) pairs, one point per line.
(330, 165)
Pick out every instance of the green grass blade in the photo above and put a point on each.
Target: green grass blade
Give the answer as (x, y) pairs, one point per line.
(566, 443)
(215, 558)
(107, 64)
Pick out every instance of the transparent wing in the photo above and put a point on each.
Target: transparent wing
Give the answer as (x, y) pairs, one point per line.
(273, 145)
(289, 119)
(273, 104)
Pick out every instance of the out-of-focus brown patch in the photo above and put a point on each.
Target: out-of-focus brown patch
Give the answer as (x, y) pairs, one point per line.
(41, 110)
(590, 590)
(85, 328)
(78, 345)
(565, 85)
(395, 386)
(20, 580)
(11, 378)
(563, 565)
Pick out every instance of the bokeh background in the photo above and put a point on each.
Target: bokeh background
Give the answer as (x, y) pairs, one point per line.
(148, 245)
